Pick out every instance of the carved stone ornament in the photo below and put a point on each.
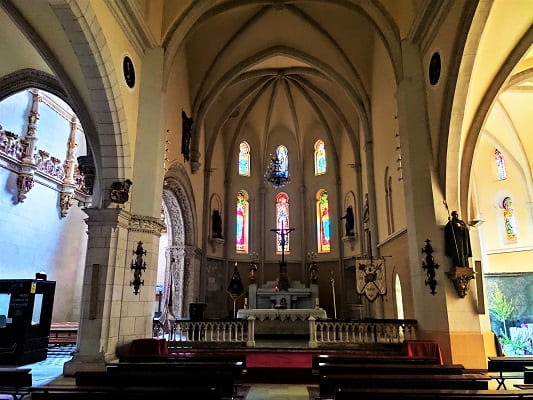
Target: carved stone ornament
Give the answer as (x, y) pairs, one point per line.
(24, 184)
(65, 203)
(120, 191)
(145, 224)
(461, 276)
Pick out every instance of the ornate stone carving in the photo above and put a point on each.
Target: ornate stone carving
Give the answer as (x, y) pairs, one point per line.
(25, 183)
(120, 191)
(65, 203)
(461, 277)
(145, 224)
(87, 173)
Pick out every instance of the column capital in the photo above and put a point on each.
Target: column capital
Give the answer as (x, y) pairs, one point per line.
(107, 216)
(146, 224)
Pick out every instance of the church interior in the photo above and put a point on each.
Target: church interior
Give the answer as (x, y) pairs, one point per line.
(306, 170)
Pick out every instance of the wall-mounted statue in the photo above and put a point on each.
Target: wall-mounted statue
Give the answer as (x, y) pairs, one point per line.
(217, 225)
(457, 241)
(186, 132)
(350, 221)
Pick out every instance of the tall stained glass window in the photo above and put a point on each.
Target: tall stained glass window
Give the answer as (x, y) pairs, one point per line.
(320, 158)
(500, 164)
(244, 159)
(283, 157)
(510, 222)
(241, 225)
(282, 218)
(324, 242)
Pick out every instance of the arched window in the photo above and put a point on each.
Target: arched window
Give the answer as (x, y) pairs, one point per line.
(283, 157)
(399, 299)
(241, 225)
(510, 222)
(282, 218)
(322, 222)
(500, 164)
(320, 158)
(244, 159)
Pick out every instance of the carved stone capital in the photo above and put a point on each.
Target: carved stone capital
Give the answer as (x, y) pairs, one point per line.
(145, 224)
(461, 277)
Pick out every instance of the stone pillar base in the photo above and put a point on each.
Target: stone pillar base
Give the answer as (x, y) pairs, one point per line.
(84, 363)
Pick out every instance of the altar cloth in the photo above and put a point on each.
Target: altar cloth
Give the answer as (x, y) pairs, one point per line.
(292, 314)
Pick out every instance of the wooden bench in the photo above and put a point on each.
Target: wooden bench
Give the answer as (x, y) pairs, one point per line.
(63, 333)
(15, 382)
(380, 359)
(528, 375)
(56, 392)
(331, 383)
(216, 380)
(385, 369)
(508, 364)
(429, 394)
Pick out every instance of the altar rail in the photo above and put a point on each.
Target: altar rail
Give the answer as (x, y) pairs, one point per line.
(360, 332)
(195, 332)
(322, 333)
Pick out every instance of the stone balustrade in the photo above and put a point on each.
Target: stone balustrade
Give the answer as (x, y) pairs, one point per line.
(216, 332)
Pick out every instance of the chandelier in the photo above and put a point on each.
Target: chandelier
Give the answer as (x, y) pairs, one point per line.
(275, 174)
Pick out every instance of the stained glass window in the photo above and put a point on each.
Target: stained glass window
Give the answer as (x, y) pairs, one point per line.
(508, 215)
(244, 159)
(320, 158)
(324, 243)
(241, 225)
(283, 157)
(500, 164)
(282, 218)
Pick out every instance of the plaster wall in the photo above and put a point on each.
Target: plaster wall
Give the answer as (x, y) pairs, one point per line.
(35, 238)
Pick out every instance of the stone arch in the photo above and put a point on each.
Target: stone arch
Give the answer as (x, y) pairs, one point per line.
(180, 276)
(108, 128)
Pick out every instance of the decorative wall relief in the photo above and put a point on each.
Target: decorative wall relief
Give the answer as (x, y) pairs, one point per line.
(25, 183)
(87, 173)
(120, 191)
(430, 266)
(65, 203)
(137, 267)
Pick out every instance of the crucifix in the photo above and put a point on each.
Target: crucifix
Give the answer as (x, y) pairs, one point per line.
(283, 234)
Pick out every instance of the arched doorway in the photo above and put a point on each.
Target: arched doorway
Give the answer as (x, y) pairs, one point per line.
(181, 277)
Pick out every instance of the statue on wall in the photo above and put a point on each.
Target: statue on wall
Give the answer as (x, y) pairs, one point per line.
(350, 221)
(457, 241)
(217, 225)
(186, 133)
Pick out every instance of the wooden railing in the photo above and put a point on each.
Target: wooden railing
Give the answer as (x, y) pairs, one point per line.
(360, 332)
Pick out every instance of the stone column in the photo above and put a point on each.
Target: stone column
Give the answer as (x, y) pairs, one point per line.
(25, 179)
(102, 289)
(304, 276)
(189, 280)
(262, 194)
(444, 317)
(69, 184)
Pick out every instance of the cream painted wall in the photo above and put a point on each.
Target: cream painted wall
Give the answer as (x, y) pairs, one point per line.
(502, 255)
(517, 19)
(17, 52)
(436, 94)
(119, 46)
(385, 128)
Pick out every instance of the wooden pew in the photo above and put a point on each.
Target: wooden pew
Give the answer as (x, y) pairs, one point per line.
(15, 382)
(56, 392)
(429, 394)
(342, 359)
(508, 364)
(331, 383)
(212, 380)
(386, 369)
